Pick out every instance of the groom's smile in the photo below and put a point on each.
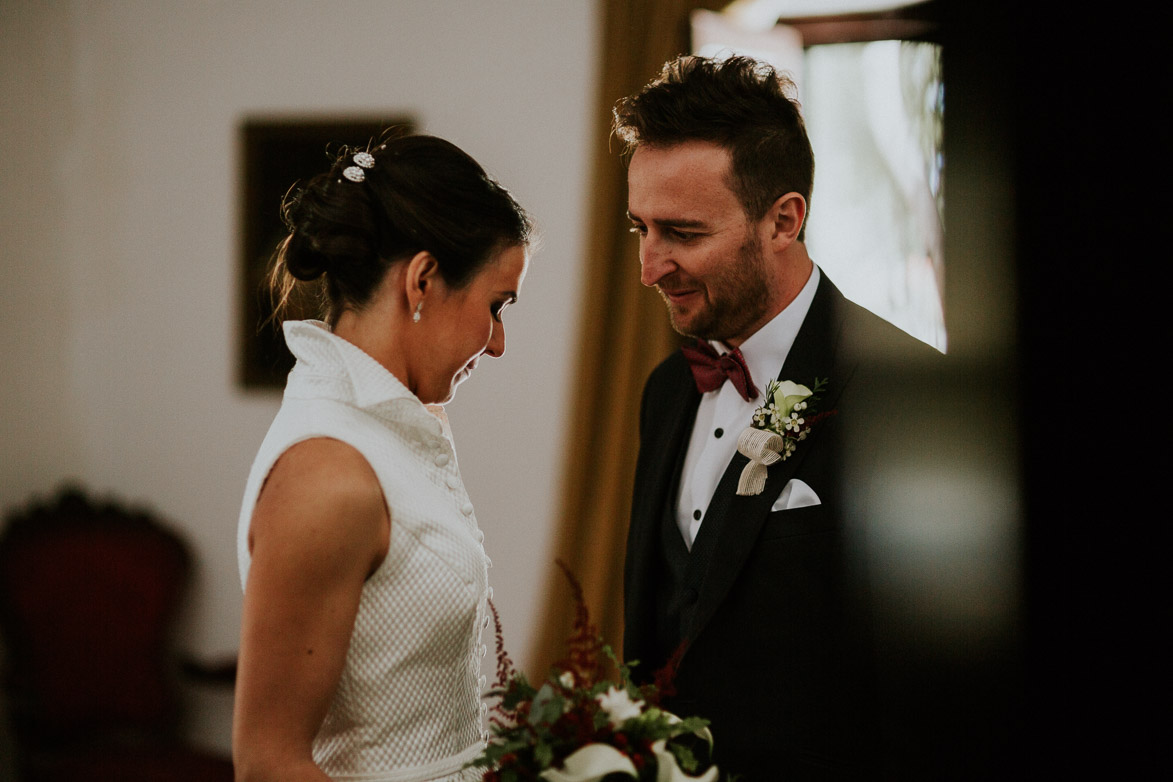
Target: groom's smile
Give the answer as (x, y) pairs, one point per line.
(697, 247)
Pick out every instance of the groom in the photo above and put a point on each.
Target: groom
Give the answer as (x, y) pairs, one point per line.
(762, 591)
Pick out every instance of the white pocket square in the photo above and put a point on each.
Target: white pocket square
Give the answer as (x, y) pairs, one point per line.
(796, 494)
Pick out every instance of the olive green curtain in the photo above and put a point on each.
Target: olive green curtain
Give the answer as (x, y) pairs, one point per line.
(624, 334)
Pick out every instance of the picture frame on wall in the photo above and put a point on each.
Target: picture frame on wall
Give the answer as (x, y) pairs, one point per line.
(278, 153)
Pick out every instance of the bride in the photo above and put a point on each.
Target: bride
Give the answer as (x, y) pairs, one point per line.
(365, 580)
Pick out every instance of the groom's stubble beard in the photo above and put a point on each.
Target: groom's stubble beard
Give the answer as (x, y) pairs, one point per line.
(734, 301)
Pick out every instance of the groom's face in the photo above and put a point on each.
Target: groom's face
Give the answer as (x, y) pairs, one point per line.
(697, 246)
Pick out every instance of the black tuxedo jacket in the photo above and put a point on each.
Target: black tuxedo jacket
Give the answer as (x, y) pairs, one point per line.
(779, 654)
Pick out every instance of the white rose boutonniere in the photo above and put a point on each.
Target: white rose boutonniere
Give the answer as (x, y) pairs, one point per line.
(778, 427)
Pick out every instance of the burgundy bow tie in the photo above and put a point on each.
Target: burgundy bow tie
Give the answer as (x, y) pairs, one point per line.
(709, 369)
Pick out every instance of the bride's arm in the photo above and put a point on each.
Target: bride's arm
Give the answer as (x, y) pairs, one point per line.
(320, 528)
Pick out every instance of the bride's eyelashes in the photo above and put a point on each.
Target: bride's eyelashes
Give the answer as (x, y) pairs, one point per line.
(498, 309)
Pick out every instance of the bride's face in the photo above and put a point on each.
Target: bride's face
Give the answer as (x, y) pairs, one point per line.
(465, 324)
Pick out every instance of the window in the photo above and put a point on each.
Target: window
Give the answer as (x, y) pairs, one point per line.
(874, 111)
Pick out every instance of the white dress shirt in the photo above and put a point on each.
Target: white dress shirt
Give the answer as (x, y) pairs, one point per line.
(723, 414)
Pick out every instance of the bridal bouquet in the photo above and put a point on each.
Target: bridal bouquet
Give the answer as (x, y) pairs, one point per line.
(579, 727)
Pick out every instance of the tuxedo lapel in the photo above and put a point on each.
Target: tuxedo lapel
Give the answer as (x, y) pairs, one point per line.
(669, 409)
(680, 402)
(815, 352)
(737, 519)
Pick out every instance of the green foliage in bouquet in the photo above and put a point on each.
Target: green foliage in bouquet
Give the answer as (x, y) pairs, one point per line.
(578, 725)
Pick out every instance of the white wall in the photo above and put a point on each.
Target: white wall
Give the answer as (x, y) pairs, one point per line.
(119, 234)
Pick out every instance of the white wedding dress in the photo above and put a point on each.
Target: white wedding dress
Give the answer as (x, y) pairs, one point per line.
(408, 707)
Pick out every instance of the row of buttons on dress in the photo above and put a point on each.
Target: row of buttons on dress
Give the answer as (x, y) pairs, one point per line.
(442, 460)
(482, 650)
(452, 480)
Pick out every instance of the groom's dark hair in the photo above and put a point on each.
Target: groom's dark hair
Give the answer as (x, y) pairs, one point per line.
(739, 103)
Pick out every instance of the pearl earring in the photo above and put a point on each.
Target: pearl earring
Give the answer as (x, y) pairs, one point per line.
(415, 318)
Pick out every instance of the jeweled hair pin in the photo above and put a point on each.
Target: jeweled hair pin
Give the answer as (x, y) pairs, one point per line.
(362, 160)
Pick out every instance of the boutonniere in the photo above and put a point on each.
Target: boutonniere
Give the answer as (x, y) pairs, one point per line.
(779, 425)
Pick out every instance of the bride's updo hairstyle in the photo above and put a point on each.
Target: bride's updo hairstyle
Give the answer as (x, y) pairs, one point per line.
(347, 227)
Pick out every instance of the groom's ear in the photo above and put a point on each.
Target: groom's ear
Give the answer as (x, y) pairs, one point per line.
(784, 220)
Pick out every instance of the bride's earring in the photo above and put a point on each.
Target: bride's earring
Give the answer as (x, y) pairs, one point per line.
(415, 318)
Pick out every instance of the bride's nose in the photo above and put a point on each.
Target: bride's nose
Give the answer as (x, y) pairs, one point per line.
(496, 346)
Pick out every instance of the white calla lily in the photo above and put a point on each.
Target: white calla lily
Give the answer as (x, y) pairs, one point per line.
(590, 764)
(668, 771)
(788, 394)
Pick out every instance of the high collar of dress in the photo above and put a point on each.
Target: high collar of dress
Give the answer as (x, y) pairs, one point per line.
(330, 366)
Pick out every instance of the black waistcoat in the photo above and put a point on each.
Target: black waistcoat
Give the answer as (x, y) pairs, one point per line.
(682, 571)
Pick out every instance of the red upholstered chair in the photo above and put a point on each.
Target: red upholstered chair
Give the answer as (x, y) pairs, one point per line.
(88, 595)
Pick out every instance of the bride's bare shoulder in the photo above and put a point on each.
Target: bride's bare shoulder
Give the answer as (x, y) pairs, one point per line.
(322, 496)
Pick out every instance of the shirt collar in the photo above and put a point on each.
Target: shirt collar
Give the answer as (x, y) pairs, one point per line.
(765, 350)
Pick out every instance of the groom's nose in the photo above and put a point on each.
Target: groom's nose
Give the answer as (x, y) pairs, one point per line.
(654, 260)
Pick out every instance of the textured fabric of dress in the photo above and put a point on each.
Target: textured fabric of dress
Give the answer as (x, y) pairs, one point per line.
(408, 706)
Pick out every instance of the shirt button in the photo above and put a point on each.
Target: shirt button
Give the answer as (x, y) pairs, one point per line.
(483, 650)
(696, 514)
(480, 536)
(483, 681)
(453, 482)
(441, 459)
(490, 589)
(466, 509)
(718, 432)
